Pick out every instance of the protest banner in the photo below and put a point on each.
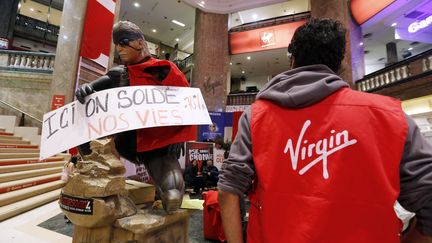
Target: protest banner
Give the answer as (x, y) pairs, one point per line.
(120, 109)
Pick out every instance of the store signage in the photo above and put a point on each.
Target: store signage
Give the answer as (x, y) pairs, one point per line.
(363, 10)
(418, 25)
(57, 101)
(274, 37)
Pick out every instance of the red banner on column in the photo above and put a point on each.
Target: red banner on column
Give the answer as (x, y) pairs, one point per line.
(96, 40)
(57, 101)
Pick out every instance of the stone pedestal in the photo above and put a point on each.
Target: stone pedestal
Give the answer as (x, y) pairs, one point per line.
(96, 201)
(152, 226)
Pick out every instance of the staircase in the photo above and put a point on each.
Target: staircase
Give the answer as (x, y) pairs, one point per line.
(25, 181)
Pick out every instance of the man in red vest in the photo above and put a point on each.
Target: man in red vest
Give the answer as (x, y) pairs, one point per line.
(157, 148)
(322, 162)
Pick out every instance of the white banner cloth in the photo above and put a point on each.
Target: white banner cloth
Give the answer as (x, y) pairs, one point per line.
(120, 109)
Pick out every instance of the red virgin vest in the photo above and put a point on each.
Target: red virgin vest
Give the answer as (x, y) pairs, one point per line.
(327, 173)
(157, 137)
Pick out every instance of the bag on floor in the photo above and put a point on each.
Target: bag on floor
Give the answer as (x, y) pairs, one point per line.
(213, 229)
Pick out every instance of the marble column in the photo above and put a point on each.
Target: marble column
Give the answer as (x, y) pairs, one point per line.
(9, 9)
(211, 58)
(68, 49)
(353, 65)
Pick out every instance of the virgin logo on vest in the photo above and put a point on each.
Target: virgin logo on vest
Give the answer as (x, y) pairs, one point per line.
(323, 148)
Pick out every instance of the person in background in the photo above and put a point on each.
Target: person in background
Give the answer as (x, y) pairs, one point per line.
(211, 174)
(322, 162)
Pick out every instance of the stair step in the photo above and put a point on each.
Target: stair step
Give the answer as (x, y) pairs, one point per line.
(11, 197)
(15, 168)
(18, 155)
(29, 182)
(19, 150)
(6, 133)
(13, 176)
(10, 137)
(27, 204)
(13, 141)
(18, 146)
(22, 161)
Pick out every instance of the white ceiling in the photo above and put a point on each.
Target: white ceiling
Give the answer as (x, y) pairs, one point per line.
(229, 6)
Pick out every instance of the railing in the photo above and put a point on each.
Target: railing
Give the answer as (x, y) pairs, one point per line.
(185, 63)
(27, 61)
(409, 69)
(23, 114)
(241, 98)
(36, 30)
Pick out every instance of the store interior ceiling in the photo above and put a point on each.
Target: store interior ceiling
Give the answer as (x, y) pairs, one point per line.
(156, 17)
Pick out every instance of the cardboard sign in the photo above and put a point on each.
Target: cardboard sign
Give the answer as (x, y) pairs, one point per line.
(120, 109)
(76, 204)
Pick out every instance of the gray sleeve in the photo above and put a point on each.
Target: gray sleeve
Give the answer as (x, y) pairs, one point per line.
(237, 170)
(416, 177)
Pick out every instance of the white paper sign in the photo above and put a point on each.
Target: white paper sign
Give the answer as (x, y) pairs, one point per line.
(120, 109)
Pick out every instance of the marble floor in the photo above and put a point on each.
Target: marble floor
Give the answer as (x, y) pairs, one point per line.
(46, 224)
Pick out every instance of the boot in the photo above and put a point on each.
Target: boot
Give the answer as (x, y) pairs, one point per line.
(168, 177)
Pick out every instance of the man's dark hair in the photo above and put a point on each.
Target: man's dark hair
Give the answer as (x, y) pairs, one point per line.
(126, 30)
(319, 41)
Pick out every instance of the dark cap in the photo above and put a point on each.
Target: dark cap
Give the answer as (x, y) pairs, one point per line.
(126, 30)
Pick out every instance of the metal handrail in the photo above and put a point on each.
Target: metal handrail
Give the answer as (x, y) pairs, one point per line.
(22, 112)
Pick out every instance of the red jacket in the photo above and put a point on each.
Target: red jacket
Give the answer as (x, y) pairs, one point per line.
(311, 183)
(157, 137)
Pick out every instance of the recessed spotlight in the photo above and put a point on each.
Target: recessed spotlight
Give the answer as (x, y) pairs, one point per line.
(361, 44)
(154, 30)
(163, 51)
(32, 9)
(230, 63)
(254, 16)
(136, 5)
(394, 24)
(409, 49)
(177, 39)
(65, 37)
(202, 2)
(243, 71)
(19, 5)
(178, 23)
(248, 57)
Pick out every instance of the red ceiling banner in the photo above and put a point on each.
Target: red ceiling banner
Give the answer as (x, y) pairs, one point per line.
(96, 40)
(363, 10)
(274, 37)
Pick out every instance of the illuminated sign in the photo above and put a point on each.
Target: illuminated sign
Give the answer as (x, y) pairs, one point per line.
(363, 10)
(416, 26)
(267, 38)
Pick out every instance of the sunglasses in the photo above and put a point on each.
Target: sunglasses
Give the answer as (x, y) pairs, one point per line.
(123, 42)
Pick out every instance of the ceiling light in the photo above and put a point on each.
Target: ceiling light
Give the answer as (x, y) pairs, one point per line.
(243, 71)
(361, 44)
(409, 49)
(248, 57)
(230, 63)
(254, 16)
(32, 9)
(202, 2)
(19, 5)
(394, 24)
(136, 4)
(65, 37)
(163, 51)
(177, 39)
(178, 23)
(154, 30)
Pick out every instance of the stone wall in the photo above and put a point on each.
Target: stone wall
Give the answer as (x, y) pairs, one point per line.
(27, 91)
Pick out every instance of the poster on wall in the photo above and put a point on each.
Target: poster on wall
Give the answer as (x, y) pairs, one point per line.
(199, 151)
(215, 131)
